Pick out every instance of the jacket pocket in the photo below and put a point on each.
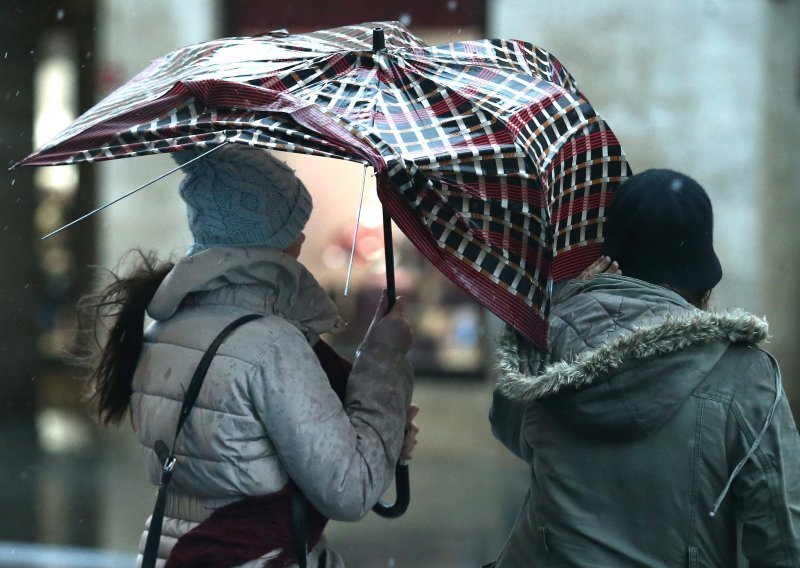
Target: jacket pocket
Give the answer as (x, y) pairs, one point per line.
(543, 539)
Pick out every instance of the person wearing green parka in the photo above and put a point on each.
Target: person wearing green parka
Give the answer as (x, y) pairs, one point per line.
(657, 431)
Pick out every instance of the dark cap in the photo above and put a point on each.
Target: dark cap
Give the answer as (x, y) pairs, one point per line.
(660, 230)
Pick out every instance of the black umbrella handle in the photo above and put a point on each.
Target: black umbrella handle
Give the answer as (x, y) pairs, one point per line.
(403, 495)
(401, 482)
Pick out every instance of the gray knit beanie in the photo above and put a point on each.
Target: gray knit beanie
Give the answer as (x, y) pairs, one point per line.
(242, 196)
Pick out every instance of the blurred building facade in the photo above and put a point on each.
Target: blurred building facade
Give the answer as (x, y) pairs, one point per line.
(47, 68)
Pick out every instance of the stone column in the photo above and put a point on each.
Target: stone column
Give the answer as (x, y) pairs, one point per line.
(780, 213)
(129, 36)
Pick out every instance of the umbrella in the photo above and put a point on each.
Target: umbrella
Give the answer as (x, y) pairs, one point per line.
(487, 155)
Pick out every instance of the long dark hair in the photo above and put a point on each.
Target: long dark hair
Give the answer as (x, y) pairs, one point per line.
(700, 300)
(120, 309)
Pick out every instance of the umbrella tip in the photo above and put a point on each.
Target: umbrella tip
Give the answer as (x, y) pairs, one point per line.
(378, 41)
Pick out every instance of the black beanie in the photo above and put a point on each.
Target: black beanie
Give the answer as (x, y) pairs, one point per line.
(660, 230)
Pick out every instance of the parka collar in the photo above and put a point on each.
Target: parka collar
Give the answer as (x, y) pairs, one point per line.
(675, 330)
(261, 279)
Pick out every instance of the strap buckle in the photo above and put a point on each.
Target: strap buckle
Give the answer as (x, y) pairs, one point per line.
(169, 464)
(166, 470)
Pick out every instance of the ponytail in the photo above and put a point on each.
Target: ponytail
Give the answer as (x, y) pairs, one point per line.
(124, 301)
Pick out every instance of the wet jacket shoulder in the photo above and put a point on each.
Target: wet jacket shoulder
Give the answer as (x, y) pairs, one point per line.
(266, 412)
(647, 412)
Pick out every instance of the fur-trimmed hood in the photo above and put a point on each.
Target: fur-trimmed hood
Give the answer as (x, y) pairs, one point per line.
(671, 334)
(618, 343)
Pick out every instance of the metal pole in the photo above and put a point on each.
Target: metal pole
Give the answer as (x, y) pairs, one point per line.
(388, 250)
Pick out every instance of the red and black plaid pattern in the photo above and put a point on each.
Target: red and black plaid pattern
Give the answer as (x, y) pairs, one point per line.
(488, 156)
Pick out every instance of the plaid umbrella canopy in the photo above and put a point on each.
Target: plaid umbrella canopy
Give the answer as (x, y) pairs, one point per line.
(488, 157)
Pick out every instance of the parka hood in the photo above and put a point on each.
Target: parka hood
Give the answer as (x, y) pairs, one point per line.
(623, 355)
(262, 279)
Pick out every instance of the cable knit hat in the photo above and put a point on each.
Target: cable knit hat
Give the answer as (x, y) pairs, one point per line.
(660, 230)
(242, 196)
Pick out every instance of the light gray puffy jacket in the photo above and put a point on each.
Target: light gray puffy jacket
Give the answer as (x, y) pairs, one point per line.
(266, 411)
(658, 436)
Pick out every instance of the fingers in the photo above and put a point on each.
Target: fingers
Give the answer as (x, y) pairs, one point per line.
(399, 307)
(604, 264)
(411, 431)
(383, 305)
(587, 272)
(383, 309)
(409, 443)
(413, 410)
(392, 328)
(598, 266)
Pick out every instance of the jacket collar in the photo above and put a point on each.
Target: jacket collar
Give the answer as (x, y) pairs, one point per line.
(261, 279)
(673, 332)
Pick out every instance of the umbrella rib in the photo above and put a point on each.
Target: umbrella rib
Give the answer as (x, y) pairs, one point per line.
(355, 235)
(110, 203)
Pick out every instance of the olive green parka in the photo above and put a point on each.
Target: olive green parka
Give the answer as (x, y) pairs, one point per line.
(658, 435)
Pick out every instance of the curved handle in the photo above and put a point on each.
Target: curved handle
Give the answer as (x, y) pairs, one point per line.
(403, 495)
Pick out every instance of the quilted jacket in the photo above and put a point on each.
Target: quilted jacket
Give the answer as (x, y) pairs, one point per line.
(266, 411)
(658, 435)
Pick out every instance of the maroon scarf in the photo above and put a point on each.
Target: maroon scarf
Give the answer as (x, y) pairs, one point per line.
(249, 528)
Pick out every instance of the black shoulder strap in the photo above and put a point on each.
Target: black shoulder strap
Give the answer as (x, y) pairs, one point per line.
(202, 368)
(299, 527)
(167, 456)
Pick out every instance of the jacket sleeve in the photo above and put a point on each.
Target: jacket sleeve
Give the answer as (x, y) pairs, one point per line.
(507, 415)
(507, 418)
(342, 457)
(767, 489)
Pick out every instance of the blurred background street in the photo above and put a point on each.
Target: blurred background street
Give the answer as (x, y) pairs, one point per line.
(707, 87)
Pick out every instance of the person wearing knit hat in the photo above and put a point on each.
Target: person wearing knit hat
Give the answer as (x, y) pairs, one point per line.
(657, 432)
(280, 418)
(242, 196)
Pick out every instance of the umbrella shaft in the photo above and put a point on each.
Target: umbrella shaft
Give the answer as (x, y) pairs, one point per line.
(389, 254)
